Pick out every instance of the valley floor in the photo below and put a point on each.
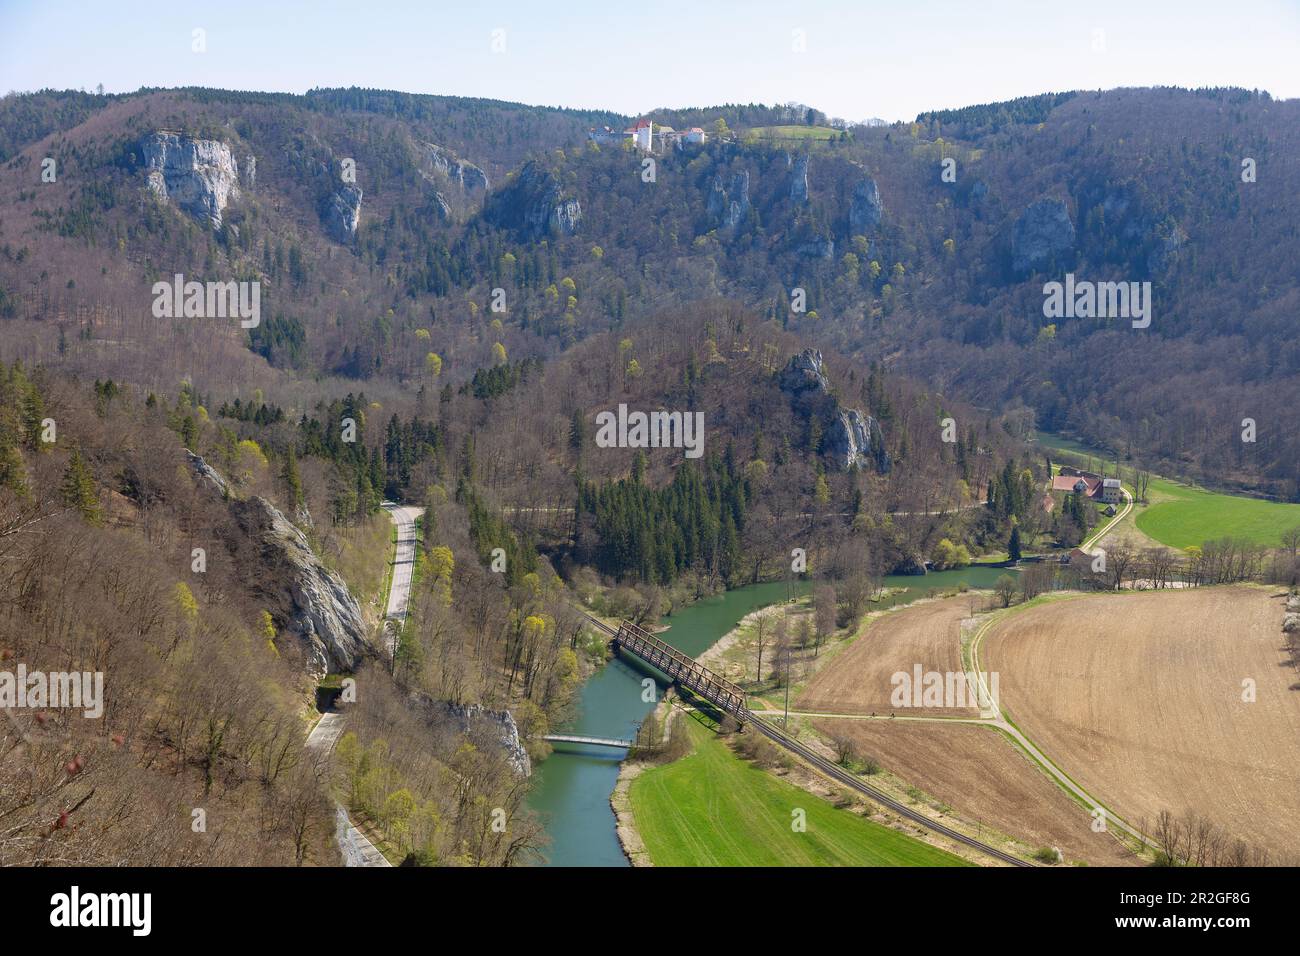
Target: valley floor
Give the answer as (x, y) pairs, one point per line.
(712, 808)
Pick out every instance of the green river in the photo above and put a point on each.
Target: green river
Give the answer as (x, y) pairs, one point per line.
(571, 788)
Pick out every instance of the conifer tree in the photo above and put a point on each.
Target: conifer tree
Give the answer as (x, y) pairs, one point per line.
(78, 488)
(290, 481)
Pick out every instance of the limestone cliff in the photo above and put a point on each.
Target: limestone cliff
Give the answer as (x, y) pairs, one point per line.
(535, 205)
(201, 176)
(866, 209)
(852, 439)
(307, 601)
(342, 213)
(1043, 235)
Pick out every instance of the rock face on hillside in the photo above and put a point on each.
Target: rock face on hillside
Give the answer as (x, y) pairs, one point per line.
(464, 175)
(1166, 252)
(728, 207)
(865, 210)
(535, 205)
(1043, 234)
(207, 474)
(799, 180)
(852, 439)
(440, 206)
(321, 611)
(856, 441)
(201, 176)
(805, 374)
(1151, 239)
(818, 247)
(342, 213)
(495, 728)
(306, 600)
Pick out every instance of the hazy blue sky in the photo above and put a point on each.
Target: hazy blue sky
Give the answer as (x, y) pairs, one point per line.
(861, 59)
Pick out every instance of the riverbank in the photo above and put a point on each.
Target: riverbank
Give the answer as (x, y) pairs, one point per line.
(734, 655)
(666, 715)
(620, 801)
(738, 800)
(573, 787)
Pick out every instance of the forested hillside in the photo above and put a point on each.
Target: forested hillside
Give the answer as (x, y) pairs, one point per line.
(450, 295)
(934, 270)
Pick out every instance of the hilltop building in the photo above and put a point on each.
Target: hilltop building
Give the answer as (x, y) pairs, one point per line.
(645, 133)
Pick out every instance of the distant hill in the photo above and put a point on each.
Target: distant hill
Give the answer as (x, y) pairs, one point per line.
(939, 278)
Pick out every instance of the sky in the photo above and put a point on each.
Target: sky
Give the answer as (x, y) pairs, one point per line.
(853, 60)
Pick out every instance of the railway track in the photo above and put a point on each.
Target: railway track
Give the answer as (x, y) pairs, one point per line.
(838, 773)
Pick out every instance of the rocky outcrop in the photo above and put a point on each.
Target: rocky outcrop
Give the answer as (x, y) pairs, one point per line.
(201, 176)
(207, 474)
(482, 726)
(441, 208)
(535, 205)
(464, 175)
(818, 247)
(799, 180)
(856, 441)
(729, 207)
(342, 213)
(912, 564)
(321, 612)
(805, 374)
(1151, 238)
(852, 439)
(250, 171)
(306, 600)
(1042, 235)
(865, 210)
(1166, 252)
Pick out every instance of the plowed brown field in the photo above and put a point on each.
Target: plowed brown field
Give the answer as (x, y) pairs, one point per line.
(982, 776)
(858, 681)
(1139, 698)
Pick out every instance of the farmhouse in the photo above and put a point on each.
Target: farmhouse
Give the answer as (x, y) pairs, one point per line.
(1087, 484)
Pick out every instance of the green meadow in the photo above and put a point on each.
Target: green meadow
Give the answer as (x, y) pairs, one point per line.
(795, 132)
(713, 808)
(1181, 515)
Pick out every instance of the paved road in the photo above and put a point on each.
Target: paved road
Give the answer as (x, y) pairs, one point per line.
(356, 849)
(399, 592)
(1110, 525)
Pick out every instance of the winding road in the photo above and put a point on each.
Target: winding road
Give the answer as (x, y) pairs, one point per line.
(357, 850)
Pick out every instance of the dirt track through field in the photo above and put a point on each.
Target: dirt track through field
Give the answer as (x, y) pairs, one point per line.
(1139, 698)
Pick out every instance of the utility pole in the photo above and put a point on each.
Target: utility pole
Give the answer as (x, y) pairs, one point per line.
(785, 722)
